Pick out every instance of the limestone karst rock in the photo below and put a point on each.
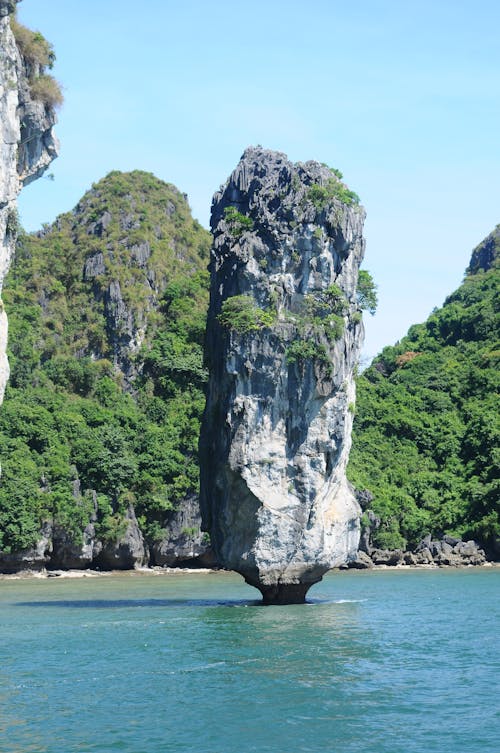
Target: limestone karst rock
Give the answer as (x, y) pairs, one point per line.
(485, 255)
(283, 337)
(27, 147)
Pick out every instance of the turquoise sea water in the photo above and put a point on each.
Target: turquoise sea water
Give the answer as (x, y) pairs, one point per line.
(378, 662)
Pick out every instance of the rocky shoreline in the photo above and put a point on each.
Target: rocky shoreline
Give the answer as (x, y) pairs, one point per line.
(184, 549)
(441, 551)
(401, 566)
(446, 552)
(183, 544)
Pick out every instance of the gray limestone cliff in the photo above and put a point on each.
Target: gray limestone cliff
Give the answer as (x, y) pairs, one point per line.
(485, 256)
(27, 147)
(283, 336)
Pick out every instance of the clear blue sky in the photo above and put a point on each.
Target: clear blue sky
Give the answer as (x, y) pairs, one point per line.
(403, 97)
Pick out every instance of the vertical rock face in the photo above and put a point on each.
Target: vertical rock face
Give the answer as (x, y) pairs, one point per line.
(27, 147)
(485, 256)
(283, 337)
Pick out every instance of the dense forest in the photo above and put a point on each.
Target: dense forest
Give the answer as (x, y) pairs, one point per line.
(427, 426)
(107, 314)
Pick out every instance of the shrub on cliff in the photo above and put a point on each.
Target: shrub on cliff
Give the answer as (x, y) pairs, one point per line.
(366, 292)
(300, 351)
(47, 90)
(241, 313)
(238, 223)
(32, 45)
(38, 55)
(321, 195)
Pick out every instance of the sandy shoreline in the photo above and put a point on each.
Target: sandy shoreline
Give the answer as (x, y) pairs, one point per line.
(40, 574)
(166, 571)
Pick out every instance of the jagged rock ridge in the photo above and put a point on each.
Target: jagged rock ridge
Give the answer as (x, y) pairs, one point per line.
(283, 337)
(27, 147)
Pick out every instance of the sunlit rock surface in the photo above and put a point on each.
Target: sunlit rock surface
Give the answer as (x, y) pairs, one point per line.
(27, 147)
(276, 432)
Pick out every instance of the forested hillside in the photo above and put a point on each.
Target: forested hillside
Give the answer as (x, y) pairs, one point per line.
(101, 416)
(426, 433)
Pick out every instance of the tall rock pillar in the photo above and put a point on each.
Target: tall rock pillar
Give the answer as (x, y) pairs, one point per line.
(283, 336)
(27, 147)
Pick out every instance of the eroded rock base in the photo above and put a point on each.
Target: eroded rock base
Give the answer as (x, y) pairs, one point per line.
(283, 593)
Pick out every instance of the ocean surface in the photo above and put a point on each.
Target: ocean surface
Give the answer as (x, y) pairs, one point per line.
(376, 662)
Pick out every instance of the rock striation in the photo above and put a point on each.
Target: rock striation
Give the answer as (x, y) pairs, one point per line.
(27, 147)
(283, 336)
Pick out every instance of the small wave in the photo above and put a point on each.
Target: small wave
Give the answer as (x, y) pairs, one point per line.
(319, 601)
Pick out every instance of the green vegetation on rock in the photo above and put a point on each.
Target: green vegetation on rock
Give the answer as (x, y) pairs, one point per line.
(427, 427)
(366, 292)
(46, 89)
(241, 314)
(38, 55)
(107, 315)
(238, 223)
(321, 195)
(319, 321)
(307, 350)
(33, 46)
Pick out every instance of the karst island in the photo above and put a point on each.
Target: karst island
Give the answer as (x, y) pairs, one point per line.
(283, 337)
